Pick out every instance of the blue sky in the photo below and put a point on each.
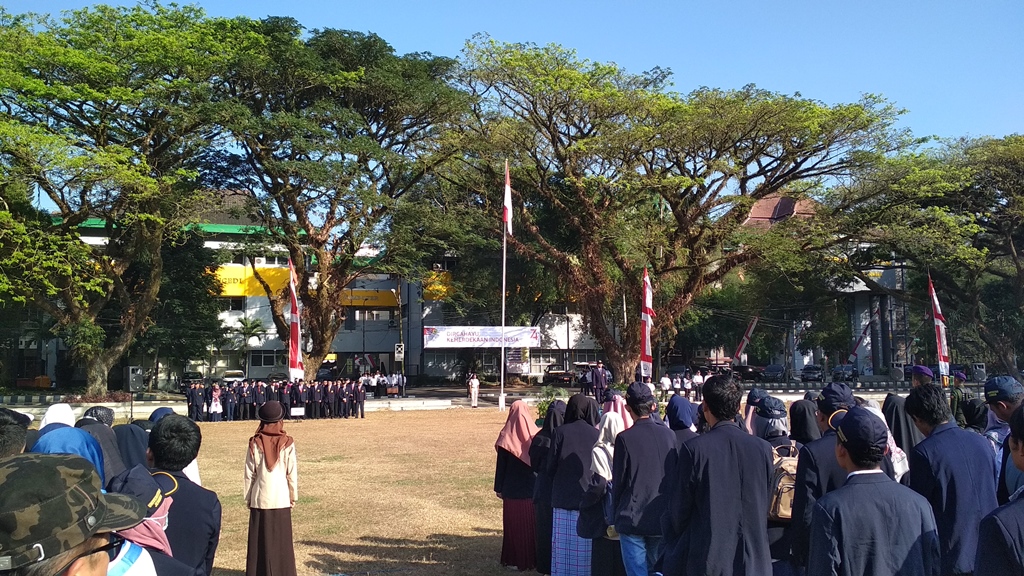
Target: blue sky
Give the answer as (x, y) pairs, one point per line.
(957, 67)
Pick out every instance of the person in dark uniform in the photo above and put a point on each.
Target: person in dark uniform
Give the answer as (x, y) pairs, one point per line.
(318, 400)
(1001, 533)
(717, 517)
(331, 399)
(190, 398)
(872, 525)
(285, 393)
(955, 471)
(300, 396)
(259, 396)
(359, 400)
(599, 380)
(207, 401)
(245, 401)
(227, 398)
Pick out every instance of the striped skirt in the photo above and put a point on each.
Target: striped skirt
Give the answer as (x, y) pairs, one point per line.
(518, 546)
(570, 554)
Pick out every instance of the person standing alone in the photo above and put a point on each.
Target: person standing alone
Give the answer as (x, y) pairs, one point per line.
(271, 489)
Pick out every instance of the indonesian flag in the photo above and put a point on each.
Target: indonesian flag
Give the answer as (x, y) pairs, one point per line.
(506, 212)
(646, 319)
(746, 339)
(295, 370)
(940, 332)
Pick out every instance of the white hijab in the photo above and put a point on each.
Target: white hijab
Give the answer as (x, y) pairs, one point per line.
(900, 461)
(601, 457)
(58, 414)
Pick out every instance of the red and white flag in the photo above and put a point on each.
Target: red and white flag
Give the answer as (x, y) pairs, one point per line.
(506, 213)
(745, 340)
(295, 370)
(646, 320)
(863, 334)
(940, 332)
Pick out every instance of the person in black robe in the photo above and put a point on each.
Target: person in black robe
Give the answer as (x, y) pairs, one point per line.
(132, 442)
(803, 425)
(539, 451)
(903, 430)
(568, 467)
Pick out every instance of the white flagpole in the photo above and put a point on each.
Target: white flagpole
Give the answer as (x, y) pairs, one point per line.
(506, 229)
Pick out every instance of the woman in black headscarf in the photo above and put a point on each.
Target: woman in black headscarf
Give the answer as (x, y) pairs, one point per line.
(569, 469)
(132, 442)
(112, 464)
(680, 419)
(904, 432)
(539, 451)
(976, 415)
(803, 424)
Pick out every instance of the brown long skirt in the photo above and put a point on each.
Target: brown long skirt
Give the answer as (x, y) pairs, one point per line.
(271, 547)
(518, 544)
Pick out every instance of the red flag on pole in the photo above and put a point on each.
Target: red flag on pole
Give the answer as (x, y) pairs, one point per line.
(295, 370)
(646, 319)
(745, 340)
(864, 334)
(940, 332)
(506, 213)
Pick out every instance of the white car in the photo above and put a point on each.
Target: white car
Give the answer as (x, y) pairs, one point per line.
(232, 377)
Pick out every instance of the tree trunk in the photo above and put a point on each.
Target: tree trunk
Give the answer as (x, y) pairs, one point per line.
(97, 369)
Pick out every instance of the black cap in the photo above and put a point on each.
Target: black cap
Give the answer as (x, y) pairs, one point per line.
(860, 431)
(639, 393)
(835, 396)
(271, 412)
(139, 483)
(770, 407)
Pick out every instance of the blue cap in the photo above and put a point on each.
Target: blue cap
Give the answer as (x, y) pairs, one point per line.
(639, 393)
(859, 431)
(1002, 389)
(835, 396)
(770, 407)
(922, 370)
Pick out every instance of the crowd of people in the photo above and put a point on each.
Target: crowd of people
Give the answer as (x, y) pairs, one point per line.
(929, 484)
(86, 498)
(343, 398)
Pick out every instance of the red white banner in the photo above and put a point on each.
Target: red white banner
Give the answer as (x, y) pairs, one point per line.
(746, 339)
(646, 320)
(506, 212)
(295, 370)
(940, 331)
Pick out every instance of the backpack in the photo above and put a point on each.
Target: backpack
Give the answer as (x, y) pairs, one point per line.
(783, 485)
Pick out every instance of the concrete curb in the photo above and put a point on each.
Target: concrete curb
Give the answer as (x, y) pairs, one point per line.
(33, 399)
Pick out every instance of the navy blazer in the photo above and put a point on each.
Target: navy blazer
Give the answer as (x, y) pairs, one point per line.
(956, 471)
(717, 518)
(643, 462)
(1001, 541)
(873, 526)
(193, 521)
(569, 463)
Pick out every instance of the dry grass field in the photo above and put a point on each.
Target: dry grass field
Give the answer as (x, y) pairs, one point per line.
(396, 493)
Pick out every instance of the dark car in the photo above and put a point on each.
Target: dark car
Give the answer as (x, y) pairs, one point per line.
(556, 374)
(748, 373)
(773, 373)
(812, 373)
(844, 373)
(190, 378)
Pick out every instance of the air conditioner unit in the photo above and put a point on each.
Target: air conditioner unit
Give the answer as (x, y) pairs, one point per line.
(260, 260)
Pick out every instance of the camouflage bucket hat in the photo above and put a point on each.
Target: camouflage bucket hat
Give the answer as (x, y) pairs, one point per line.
(50, 503)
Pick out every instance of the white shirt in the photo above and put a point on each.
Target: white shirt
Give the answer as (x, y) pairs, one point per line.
(666, 382)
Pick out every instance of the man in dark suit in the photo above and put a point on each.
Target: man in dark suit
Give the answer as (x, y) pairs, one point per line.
(599, 380)
(245, 401)
(1004, 395)
(331, 400)
(717, 519)
(872, 525)
(1001, 535)
(193, 520)
(359, 400)
(285, 393)
(643, 456)
(228, 399)
(259, 396)
(300, 395)
(955, 470)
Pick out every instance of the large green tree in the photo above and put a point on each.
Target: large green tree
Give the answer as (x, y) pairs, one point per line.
(108, 112)
(334, 136)
(612, 173)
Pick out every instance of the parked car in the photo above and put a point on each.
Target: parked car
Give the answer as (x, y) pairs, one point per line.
(277, 377)
(232, 377)
(773, 373)
(812, 373)
(748, 373)
(557, 375)
(190, 378)
(844, 373)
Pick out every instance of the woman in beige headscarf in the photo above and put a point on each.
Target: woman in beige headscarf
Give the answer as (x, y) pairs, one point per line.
(513, 483)
(271, 489)
(606, 553)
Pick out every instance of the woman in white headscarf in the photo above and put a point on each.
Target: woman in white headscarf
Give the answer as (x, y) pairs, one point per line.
(606, 553)
(900, 461)
(58, 414)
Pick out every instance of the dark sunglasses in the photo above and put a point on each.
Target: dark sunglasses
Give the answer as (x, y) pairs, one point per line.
(112, 548)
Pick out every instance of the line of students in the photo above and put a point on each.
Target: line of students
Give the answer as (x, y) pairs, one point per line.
(241, 401)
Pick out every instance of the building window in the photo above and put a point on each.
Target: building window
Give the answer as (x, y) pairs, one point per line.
(232, 304)
(374, 315)
(276, 259)
(238, 259)
(268, 358)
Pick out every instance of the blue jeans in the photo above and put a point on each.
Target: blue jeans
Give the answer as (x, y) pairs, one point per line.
(639, 553)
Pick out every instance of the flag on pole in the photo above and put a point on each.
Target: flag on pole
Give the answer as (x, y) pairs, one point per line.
(646, 319)
(745, 340)
(506, 213)
(863, 335)
(295, 369)
(940, 332)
